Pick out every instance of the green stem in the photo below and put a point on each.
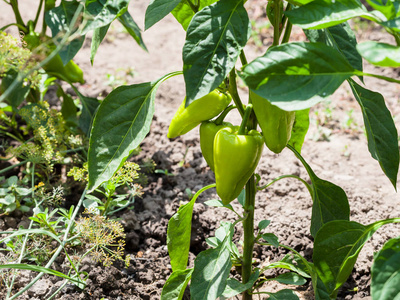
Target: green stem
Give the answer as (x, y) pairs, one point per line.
(277, 22)
(38, 13)
(288, 29)
(18, 18)
(243, 58)
(234, 93)
(359, 73)
(243, 125)
(221, 118)
(286, 176)
(248, 229)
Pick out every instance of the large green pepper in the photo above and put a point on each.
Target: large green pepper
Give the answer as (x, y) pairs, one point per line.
(208, 130)
(55, 67)
(276, 124)
(235, 159)
(203, 109)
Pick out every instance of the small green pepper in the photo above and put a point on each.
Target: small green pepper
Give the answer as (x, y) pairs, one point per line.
(208, 130)
(203, 109)
(236, 157)
(276, 124)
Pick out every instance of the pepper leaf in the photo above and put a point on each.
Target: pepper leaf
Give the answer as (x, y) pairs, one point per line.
(132, 28)
(157, 10)
(342, 38)
(59, 20)
(234, 287)
(214, 39)
(329, 200)
(283, 295)
(291, 278)
(178, 233)
(380, 54)
(89, 107)
(381, 131)
(183, 13)
(314, 69)
(385, 272)
(175, 286)
(300, 129)
(336, 248)
(97, 38)
(211, 270)
(102, 13)
(326, 13)
(122, 121)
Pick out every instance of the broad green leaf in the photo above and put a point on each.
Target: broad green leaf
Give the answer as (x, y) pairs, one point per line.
(291, 278)
(133, 29)
(183, 13)
(69, 110)
(380, 54)
(287, 263)
(300, 129)
(263, 224)
(385, 272)
(211, 271)
(178, 233)
(101, 13)
(271, 238)
(296, 76)
(97, 38)
(214, 39)
(326, 13)
(336, 248)
(18, 94)
(342, 38)
(381, 131)
(89, 107)
(329, 200)
(392, 24)
(234, 287)
(157, 10)
(283, 295)
(218, 203)
(175, 286)
(59, 20)
(122, 121)
(42, 270)
(386, 7)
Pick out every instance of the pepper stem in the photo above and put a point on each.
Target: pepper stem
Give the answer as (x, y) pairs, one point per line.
(242, 129)
(222, 116)
(248, 229)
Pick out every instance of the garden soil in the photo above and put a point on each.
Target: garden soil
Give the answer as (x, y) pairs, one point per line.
(335, 147)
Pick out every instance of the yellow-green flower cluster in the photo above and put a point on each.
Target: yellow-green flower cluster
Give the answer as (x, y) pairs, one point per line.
(14, 57)
(103, 237)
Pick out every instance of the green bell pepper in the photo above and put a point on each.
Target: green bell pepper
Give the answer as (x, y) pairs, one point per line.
(276, 124)
(208, 130)
(203, 109)
(236, 157)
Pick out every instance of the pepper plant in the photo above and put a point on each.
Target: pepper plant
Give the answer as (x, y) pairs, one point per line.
(283, 83)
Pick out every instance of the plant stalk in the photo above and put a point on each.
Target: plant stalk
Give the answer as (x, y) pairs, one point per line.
(248, 228)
